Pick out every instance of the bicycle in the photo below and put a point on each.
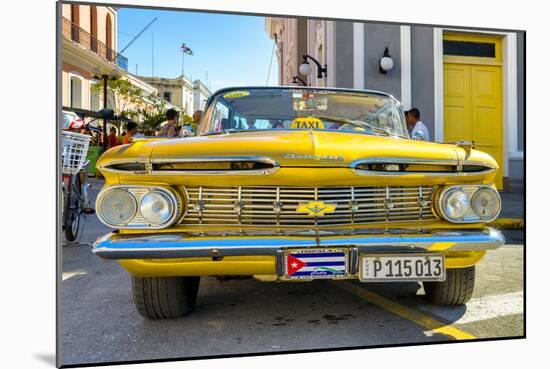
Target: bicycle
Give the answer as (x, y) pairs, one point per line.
(75, 189)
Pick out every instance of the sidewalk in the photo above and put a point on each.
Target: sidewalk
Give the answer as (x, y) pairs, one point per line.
(512, 205)
(512, 215)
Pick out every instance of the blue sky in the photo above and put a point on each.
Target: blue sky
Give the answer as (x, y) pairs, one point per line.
(233, 49)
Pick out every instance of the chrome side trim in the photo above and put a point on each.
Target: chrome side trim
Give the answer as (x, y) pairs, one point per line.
(457, 163)
(109, 167)
(356, 162)
(475, 162)
(116, 246)
(195, 159)
(199, 159)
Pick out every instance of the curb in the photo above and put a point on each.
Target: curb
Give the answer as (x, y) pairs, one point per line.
(508, 223)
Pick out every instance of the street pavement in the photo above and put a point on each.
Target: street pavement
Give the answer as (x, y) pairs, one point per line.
(512, 205)
(100, 324)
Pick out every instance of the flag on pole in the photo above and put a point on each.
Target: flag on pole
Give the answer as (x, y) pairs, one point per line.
(185, 49)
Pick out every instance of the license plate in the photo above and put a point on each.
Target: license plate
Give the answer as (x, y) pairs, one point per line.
(402, 267)
(316, 264)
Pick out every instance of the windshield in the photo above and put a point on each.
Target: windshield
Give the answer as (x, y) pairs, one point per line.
(287, 108)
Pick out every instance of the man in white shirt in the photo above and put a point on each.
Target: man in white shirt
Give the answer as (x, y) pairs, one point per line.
(417, 129)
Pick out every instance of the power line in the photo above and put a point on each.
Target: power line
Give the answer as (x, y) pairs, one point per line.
(271, 61)
(136, 36)
(126, 34)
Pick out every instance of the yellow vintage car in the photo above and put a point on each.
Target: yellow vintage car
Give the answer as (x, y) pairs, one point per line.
(296, 184)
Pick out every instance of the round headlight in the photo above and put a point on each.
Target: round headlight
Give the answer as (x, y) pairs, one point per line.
(486, 203)
(117, 207)
(455, 204)
(156, 207)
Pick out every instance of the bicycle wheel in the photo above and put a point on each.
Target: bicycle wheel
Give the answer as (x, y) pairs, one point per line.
(73, 210)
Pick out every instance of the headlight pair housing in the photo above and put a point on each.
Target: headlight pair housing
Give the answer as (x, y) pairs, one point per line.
(138, 207)
(469, 203)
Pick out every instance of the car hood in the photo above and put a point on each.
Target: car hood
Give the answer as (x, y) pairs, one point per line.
(301, 148)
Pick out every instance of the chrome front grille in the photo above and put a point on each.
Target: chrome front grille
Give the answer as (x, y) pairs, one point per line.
(277, 206)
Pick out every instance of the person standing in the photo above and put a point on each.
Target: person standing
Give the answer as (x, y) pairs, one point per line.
(197, 116)
(112, 139)
(190, 128)
(417, 129)
(168, 128)
(131, 130)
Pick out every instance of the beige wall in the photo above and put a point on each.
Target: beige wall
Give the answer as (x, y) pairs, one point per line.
(81, 64)
(84, 23)
(181, 88)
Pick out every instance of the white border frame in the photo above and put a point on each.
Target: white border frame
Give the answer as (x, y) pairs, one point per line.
(509, 88)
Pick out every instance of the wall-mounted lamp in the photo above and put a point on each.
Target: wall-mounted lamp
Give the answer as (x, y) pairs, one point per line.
(386, 62)
(295, 80)
(306, 69)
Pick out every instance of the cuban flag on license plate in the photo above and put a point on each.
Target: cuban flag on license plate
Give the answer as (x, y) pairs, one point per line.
(316, 264)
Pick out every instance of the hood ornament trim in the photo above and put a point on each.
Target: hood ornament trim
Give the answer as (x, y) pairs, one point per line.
(488, 168)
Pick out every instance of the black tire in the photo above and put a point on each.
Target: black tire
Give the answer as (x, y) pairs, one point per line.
(457, 289)
(164, 297)
(71, 221)
(64, 201)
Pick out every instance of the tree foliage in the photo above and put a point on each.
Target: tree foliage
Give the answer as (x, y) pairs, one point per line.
(152, 115)
(122, 96)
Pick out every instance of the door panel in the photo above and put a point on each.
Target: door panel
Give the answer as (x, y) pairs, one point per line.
(457, 96)
(487, 112)
(473, 108)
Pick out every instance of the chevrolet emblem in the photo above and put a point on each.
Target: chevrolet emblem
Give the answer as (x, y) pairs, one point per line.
(316, 208)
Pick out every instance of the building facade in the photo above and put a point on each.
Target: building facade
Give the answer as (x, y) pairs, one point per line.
(185, 95)
(201, 93)
(88, 46)
(175, 91)
(467, 84)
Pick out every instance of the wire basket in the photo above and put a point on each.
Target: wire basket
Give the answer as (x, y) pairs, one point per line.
(75, 150)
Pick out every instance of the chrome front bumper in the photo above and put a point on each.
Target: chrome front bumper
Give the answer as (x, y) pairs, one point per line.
(220, 244)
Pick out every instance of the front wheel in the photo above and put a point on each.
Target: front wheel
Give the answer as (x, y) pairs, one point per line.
(72, 211)
(164, 297)
(457, 289)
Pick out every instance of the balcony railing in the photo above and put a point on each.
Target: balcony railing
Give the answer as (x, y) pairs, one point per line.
(84, 38)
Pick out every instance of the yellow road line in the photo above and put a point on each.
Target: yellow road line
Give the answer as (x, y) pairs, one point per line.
(508, 223)
(404, 312)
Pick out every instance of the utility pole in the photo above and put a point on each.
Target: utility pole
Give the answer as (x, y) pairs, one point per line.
(105, 78)
(152, 55)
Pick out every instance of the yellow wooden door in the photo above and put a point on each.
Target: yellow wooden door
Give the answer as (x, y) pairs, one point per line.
(457, 99)
(487, 113)
(472, 98)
